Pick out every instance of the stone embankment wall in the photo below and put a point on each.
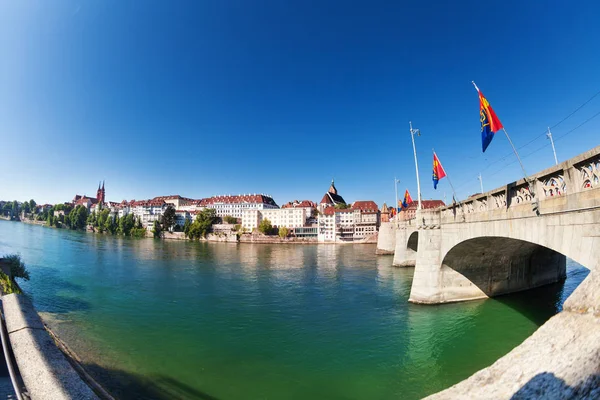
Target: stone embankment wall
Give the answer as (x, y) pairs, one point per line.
(255, 238)
(45, 371)
(561, 360)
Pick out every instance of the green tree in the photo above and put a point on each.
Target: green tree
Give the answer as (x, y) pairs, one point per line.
(26, 208)
(157, 229)
(186, 226)
(203, 223)
(168, 218)
(78, 217)
(17, 269)
(230, 220)
(341, 206)
(33, 206)
(15, 209)
(283, 232)
(265, 227)
(126, 224)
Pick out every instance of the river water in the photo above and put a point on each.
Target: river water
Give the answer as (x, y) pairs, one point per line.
(173, 319)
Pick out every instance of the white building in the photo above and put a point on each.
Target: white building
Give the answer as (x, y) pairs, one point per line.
(357, 222)
(235, 205)
(148, 211)
(279, 217)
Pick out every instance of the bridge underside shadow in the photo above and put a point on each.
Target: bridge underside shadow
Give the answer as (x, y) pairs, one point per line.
(491, 266)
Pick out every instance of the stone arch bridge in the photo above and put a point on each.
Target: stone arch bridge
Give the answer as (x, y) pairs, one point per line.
(506, 240)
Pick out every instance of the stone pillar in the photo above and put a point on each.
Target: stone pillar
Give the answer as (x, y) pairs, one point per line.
(427, 278)
(386, 239)
(403, 256)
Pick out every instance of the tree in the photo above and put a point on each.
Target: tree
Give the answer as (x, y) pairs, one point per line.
(186, 227)
(33, 206)
(265, 227)
(15, 210)
(203, 223)
(26, 208)
(230, 220)
(157, 229)
(168, 217)
(126, 224)
(17, 269)
(79, 217)
(283, 232)
(314, 213)
(341, 206)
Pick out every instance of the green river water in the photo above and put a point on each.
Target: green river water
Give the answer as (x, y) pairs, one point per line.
(173, 319)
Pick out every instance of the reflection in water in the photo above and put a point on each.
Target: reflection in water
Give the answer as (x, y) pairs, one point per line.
(239, 321)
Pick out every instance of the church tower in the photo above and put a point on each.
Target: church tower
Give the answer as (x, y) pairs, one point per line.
(101, 194)
(332, 188)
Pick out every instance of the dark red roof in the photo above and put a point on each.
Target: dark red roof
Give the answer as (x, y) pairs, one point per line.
(299, 204)
(365, 205)
(332, 198)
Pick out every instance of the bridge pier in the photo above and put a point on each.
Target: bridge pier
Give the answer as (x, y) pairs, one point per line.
(405, 255)
(386, 239)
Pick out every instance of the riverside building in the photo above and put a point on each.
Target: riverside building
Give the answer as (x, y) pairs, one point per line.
(234, 206)
(357, 222)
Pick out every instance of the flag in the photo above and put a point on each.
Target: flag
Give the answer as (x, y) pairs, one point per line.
(438, 170)
(407, 199)
(490, 123)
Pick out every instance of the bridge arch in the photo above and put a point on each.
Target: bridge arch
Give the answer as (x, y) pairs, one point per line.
(413, 241)
(487, 266)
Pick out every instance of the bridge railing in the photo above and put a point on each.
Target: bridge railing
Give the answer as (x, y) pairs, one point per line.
(567, 186)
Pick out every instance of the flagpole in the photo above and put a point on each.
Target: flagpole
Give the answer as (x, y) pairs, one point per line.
(396, 205)
(412, 135)
(454, 195)
(536, 209)
(447, 177)
(549, 136)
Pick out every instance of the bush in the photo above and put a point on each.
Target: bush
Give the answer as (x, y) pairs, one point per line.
(17, 267)
(283, 232)
(17, 270)
(138, 232)
(265, 227)
(230, 220)
(8, 285)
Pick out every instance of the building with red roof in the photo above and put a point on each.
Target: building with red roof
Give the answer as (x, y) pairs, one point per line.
(411, 211)
(358, 221)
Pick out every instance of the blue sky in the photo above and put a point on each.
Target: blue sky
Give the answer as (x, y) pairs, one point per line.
(202, 98)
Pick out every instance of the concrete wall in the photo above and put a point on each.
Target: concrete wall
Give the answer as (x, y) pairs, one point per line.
(44, 369)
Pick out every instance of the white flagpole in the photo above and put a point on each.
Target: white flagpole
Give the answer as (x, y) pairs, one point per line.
(412, 135)
(549, 136)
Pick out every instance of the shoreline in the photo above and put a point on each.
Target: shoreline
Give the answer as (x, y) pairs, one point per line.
(224, 238)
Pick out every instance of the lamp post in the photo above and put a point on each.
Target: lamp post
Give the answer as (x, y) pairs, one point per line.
(412, 135)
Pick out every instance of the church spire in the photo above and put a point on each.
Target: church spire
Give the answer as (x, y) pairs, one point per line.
(332, 188)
